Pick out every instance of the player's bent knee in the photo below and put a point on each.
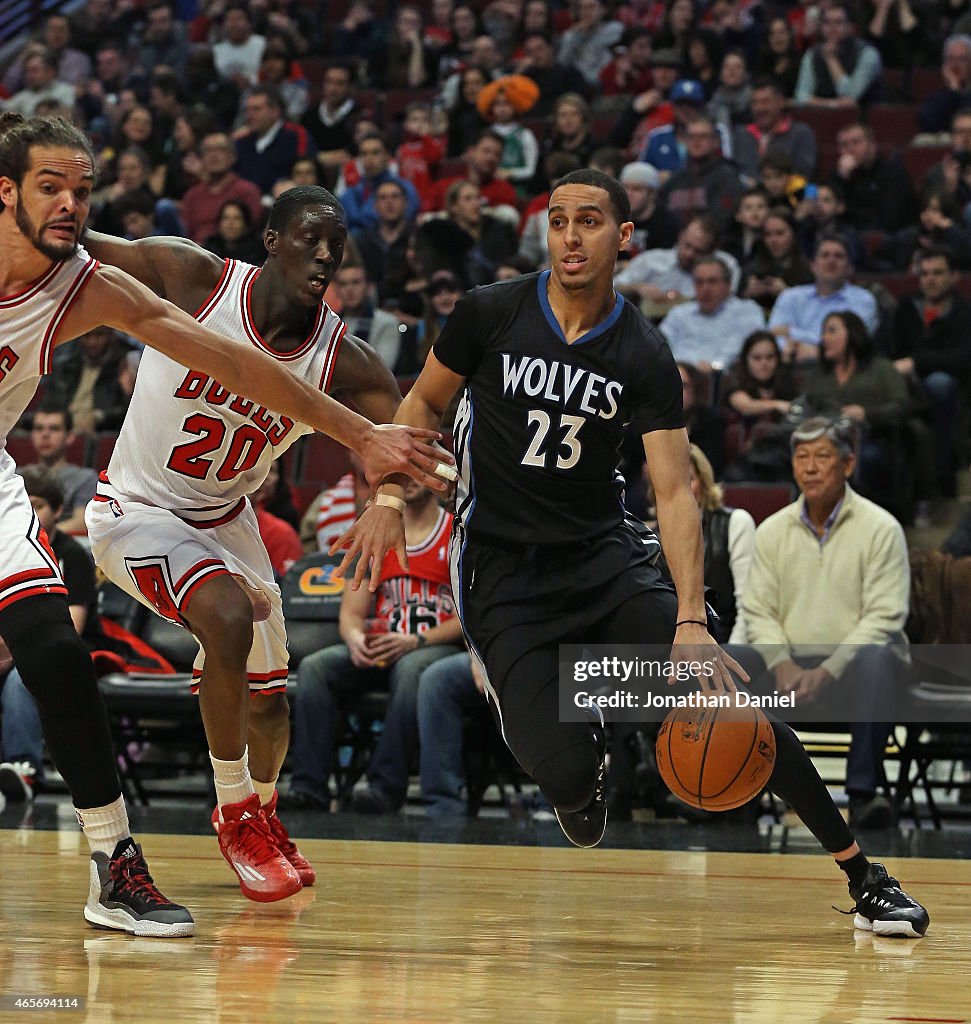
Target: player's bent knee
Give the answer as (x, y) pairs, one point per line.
(269, 709)
(569, 777)
(223, 622)
(57, 670)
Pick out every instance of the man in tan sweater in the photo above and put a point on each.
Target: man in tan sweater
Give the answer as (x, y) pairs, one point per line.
(832, 569)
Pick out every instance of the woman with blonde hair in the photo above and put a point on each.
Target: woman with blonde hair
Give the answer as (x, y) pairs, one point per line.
(729, 535)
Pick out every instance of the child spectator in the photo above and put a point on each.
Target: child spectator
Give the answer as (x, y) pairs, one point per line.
(420, 151)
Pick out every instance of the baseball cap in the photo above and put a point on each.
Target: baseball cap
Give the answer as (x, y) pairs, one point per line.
(687, 90)
(640, 173)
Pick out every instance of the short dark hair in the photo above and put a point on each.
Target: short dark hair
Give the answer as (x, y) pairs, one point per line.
(766, 82)
(47, 408)
(289, 203)
(833, 236)
(619, 201)
(939, 252)
(41, 482)
(715, 261)
(138, 201)
(18, 135)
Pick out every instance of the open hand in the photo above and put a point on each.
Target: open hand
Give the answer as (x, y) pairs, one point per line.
(390, 448)
(378, 531)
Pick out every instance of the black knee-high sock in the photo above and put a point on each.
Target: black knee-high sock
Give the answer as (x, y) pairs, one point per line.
(796, 781)
(57, 670)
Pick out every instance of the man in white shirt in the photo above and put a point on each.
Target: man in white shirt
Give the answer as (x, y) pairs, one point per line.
(41, 84)
(660, 278)
(709, 330)
(240, 52)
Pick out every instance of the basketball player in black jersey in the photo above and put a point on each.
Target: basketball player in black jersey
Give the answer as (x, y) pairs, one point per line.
(553, 367)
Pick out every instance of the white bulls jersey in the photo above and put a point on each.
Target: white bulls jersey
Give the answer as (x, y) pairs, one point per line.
(28, 329)
(190, 445)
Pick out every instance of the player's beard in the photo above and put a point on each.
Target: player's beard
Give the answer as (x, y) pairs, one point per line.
(60, 252)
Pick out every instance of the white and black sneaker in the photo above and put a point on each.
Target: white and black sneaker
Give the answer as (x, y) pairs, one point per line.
(17, 781)
(883, 908)
(124, 896)
(586, 827)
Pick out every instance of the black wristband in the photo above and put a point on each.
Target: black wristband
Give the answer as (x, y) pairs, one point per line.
(691, 622)
(422, 640)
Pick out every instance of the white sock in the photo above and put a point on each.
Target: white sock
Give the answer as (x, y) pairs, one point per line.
(233, 782)
(265, 790)
(106, 826)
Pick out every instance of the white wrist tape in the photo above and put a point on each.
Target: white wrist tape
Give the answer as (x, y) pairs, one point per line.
(390, 501)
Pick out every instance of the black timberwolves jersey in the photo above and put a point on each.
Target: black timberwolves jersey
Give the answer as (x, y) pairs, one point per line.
(540, 423)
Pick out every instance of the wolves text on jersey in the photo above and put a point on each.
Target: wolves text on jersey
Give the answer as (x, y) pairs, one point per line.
(197, 385)
(571, 386)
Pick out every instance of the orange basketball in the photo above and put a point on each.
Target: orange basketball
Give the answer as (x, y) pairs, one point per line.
(716, 758)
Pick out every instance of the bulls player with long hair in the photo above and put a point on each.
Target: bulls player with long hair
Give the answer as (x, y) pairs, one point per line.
(51, 291)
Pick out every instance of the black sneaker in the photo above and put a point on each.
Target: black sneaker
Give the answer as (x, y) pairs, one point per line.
(371, 800)
(17, 781)
(586, 827)
(124, 896)
(883, 908)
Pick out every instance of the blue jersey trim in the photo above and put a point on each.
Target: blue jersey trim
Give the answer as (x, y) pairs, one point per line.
(601, 328)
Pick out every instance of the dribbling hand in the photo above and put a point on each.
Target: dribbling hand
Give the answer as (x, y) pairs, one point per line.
(693, 643)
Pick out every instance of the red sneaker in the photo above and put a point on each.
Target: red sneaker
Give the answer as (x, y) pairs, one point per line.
(245, 840)
(287, 846)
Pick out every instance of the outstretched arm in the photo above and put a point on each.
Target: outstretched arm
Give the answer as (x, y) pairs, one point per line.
(679, 525)
(159, 263)
(373, 535)
(115, 299)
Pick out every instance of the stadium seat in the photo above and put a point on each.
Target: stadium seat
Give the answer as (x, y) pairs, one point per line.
(104, 445)
(920, 159)
(311, 605)
(893, 124)
(759, 500)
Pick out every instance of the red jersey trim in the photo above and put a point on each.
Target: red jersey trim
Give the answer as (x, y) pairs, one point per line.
(37, 591)
(48, 344)
(217, 293)
(333, 346)
(249, 324)
(18, 298)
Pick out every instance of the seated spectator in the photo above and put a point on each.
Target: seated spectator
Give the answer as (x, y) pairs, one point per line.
(877, 189)
(277, 68)
(930, 342)
(759, 386)
(731, 102)
(235, 237)
(267, 149)
(839, 71)
(444, 291)
(665, 147)
(708, 331)
(825, 214)
(743, 235)
(703, 56)
(364, 320)
(51, 433)
(335, 510)
(203, 202)
(952, 174)
(330, 123)
(183, 167)
(520, 150)
(587, 44)
(467, 239)
(404, 61)
(939, 224)
(41, 85)
(655, 226)
(554, 79)
(20, 731)
(358, 200)
(219, 96)
(777, 262)
(382, 247)
(706, 182)
(359, 35)
(798, 314)
(412, 623)
(650, 109)
(705, 425)
(238, 53)
(938, 110)
(729, 536)
(779, 57)
(94, 381)
(772, 130)
(162, 41)
(854, 382)
(856, 554)
(421, 150)
(133, 169)
(279, 535)
(136, 214)
(660, 278)
(448, 690)
(72, 65)
(629, 73)
(571, 132)
(465, 123)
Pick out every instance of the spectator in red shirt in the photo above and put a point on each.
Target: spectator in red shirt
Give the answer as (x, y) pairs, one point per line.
(281, 540)
(482, 161)
(629, 73)
(420, 151)
(203, 202)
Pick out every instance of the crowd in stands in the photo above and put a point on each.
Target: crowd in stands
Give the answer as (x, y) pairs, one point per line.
(800, 185)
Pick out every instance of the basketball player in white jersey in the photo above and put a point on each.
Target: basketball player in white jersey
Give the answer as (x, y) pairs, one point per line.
(52, 291)
(171, 523)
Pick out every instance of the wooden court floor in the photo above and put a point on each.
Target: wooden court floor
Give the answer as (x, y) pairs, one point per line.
(407, 933)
